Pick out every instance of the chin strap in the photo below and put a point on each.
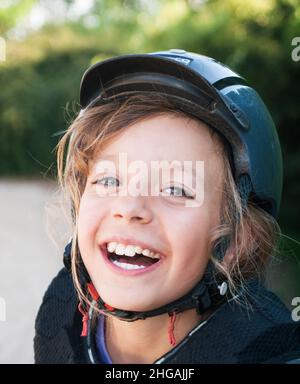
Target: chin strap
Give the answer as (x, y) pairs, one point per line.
(206, 294)
(197, 298)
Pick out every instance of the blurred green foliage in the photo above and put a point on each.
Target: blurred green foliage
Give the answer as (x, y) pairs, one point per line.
(12, 11)
(43, 69)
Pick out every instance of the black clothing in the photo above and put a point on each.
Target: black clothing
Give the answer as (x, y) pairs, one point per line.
(232, 334)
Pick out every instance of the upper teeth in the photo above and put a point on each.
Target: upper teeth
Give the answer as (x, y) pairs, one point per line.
(130, 250)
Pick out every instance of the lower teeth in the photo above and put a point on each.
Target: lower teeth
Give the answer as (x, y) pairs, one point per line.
(127, 266)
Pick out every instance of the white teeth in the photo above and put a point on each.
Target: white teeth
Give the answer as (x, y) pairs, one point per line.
(146, 252)
(130, 250)
(127, 266)
(154, 255)
(120, 249)
(111, 247)
(138, 250)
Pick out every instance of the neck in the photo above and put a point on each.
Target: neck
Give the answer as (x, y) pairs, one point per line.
(144, 341)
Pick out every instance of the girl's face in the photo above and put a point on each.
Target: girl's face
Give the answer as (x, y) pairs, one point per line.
(162, 223)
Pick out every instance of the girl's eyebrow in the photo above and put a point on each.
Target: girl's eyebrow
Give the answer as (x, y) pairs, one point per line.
(115, 157)
(109, 156)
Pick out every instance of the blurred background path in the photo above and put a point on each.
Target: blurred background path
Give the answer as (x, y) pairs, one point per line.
(29, 260)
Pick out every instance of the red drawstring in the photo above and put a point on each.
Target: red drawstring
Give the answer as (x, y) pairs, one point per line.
(93, 292)
(109, 307)
(85, 319)
(95, 295)
(172, 339)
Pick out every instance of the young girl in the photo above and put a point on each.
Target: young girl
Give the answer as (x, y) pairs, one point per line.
(173, 169)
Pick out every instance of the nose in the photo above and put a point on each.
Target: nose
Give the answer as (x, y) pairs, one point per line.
(132, 209)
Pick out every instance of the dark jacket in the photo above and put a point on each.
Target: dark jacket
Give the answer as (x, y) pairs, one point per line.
(232, 334)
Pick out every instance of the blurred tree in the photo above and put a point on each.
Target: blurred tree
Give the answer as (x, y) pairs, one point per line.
(11, 11)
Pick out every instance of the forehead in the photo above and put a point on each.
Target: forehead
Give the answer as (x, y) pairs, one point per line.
(163, 137)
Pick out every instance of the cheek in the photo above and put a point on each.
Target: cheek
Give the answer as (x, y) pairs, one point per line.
(190, 233)
(89, 217)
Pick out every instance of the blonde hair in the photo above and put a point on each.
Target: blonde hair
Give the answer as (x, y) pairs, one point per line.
(253, 232)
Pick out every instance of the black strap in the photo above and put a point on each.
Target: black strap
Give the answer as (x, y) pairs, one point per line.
(198, 298)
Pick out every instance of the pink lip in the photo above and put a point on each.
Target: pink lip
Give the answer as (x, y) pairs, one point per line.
(132, 272)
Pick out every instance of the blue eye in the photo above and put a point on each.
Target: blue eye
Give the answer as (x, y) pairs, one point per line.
(108, 182)
(178, 192)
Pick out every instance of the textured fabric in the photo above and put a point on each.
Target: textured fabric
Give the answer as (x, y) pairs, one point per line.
(262, 333)
(58, 324)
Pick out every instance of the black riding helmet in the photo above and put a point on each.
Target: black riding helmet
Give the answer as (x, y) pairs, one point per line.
(227, 104)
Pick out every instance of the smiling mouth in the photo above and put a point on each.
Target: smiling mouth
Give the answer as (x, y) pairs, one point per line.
(130, 257)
